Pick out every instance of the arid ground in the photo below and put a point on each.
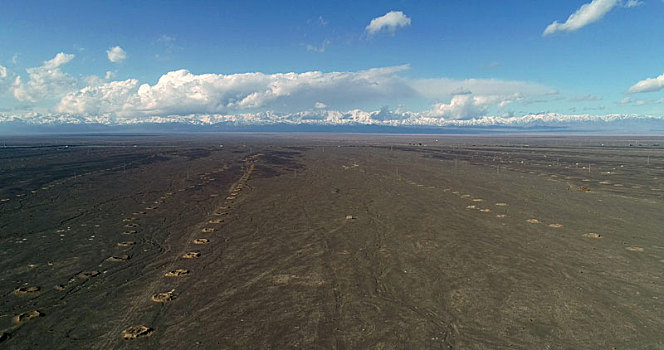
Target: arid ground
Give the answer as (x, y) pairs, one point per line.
(217, 241)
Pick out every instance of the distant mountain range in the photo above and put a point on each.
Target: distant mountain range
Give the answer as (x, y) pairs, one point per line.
(382, 121)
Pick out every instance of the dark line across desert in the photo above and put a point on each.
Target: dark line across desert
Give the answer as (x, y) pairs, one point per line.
(331, 241)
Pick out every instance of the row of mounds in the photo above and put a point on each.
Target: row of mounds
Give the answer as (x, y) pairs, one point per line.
(131, 227)
(534, 221)
(142, 331)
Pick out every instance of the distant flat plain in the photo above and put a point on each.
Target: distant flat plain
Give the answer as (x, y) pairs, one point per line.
(331, 241)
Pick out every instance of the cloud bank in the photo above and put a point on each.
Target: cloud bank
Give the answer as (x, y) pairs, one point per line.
(183, 93)
(390, 22)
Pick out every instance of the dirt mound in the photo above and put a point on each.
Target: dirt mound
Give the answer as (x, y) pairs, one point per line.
(177, 273)
(137, 332)
(121, 258)
(163, 297)
(191, 255)
(201, 241)
(27, 316)
(21, 291)
(592, 235)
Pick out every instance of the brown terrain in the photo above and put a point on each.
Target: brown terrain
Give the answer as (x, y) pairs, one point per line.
(332, 241)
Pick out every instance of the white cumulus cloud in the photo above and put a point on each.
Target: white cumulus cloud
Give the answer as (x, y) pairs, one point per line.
(116, 54)
(648, 85)
(181, 92)
(98, 99)
(391, 21)
(468, 106)
(45, 81)
(586, 14)
(3, 72)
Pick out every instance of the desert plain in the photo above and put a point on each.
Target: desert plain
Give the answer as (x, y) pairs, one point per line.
(334, 241)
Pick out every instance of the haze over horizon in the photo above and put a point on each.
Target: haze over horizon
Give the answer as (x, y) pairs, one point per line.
(429, 64)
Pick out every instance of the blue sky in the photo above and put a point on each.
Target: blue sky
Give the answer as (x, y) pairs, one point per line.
(428, 52)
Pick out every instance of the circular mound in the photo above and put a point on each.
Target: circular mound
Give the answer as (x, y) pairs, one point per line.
(177, 273)
(163, 298)
(27, 316)
(533, 221)
(207, 230)
(26, 290)
(216, 221)
(126, 244)
(191, 255)
(136, 332)
(592, 235)
(555, 225)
